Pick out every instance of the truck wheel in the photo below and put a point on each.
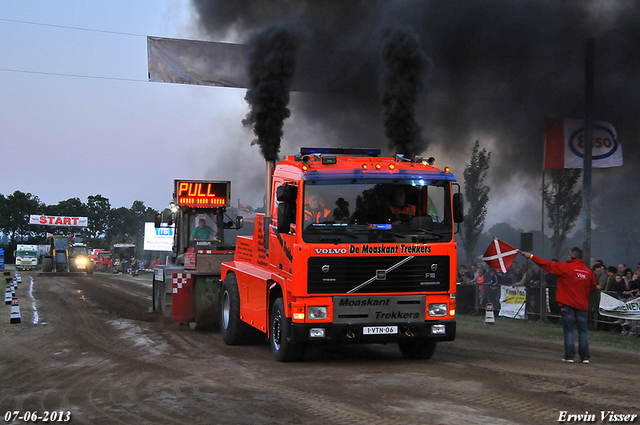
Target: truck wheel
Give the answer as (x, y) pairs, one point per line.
(417, 350)
(47, 264)
(234, 331)
(284, 350)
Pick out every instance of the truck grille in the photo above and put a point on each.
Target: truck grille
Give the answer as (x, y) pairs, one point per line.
(339, 275)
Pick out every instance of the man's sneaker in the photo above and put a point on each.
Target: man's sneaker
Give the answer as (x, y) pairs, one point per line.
(585, 362)
(567, 360)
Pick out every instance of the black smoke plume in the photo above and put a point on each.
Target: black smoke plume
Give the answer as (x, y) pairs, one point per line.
(500, 68)
(402, 80)
(271, 63)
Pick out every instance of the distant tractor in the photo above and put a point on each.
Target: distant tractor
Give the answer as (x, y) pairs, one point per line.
(61, 258)
(80, 261)
(123, 258)
(103, 260)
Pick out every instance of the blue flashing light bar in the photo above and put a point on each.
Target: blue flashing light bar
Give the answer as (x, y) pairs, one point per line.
(340, 151)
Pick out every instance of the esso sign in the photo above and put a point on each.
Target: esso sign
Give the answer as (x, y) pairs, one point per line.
(604, 142)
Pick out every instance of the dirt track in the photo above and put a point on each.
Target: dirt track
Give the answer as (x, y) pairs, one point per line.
(96, 352)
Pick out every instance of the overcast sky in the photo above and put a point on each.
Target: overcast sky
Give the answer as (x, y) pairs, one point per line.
(78, 116)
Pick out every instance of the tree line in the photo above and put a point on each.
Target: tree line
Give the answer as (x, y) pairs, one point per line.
(106, 225)
(560, 196)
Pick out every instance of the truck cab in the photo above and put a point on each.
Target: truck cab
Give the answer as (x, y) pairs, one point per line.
(26, 256)
(360, 249)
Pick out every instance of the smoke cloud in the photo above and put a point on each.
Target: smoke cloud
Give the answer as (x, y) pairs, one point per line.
(270, 66)
(499, 68)
(402, 80)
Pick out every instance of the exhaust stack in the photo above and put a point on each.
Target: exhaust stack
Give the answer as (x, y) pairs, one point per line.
(271, 165)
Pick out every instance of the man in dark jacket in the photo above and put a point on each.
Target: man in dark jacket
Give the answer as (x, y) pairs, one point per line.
(575, 283)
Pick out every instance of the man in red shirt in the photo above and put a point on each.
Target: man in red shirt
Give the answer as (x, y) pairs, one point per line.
(575, 283)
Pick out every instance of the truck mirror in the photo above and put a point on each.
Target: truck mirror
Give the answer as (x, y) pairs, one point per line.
(284, 225)
(239, 222)
(157, 220)
(458, 208)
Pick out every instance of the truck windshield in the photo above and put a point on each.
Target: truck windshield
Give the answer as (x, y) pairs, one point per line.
(378, 212)
(60, 243)
(79, 250)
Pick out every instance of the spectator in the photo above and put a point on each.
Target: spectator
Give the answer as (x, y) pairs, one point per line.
(601, 277)
(627, 276)
(474, 274)
(611, 279)
(480, 280)
(463, 275)
(620, 285)
(576, 282)
(621, 268)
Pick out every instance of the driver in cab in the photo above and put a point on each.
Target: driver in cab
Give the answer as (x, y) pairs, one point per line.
(314, 212)
(401, 212)
(202, 231)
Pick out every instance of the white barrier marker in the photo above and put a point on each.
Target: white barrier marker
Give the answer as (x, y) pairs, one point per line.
(489, 318)
(15, 312)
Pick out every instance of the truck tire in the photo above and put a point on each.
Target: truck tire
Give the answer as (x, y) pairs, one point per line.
(47, 264)
(234, 331)
(417, 350)
(284, 350)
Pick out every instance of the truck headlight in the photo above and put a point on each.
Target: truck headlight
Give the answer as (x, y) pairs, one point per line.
(317, 313)
(438, 309)
(81, 261)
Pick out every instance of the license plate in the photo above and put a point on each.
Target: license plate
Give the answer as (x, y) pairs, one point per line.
(380, 330)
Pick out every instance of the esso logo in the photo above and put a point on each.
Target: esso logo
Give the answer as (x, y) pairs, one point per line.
(605, 143)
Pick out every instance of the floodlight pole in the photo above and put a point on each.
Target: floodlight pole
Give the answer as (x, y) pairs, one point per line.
(588, 146)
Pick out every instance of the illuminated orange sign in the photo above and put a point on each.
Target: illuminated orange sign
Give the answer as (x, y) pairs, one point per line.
(202, 194)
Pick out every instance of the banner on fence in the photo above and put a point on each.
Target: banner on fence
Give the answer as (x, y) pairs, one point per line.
(512, 301)
(613, 307)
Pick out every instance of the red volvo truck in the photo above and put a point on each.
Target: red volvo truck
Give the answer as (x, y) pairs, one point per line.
(338, 258)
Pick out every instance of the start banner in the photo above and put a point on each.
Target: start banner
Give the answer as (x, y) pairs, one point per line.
(613, 307)
(52, 220)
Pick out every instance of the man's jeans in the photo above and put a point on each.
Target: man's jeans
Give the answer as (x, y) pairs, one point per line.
(571, 318)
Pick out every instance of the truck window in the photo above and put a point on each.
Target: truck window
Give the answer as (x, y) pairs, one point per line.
(378, 212)
(204, 228)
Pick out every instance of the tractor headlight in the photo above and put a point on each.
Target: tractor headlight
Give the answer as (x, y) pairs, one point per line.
(81, 261)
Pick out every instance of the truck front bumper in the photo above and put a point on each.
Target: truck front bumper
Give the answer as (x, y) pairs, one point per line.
(353, 333)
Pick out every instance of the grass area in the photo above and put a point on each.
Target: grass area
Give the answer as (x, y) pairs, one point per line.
(547, 330)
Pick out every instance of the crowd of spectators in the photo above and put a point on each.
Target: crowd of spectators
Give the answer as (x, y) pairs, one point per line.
(620, 282)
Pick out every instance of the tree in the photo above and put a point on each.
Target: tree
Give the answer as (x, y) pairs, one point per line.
(119, 226)
(477, 196)
(563, 205)
(15, 221)
(98, 210)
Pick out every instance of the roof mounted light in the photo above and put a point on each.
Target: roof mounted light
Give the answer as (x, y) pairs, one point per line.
(417, 158)
(431, 160)
(340, 151)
